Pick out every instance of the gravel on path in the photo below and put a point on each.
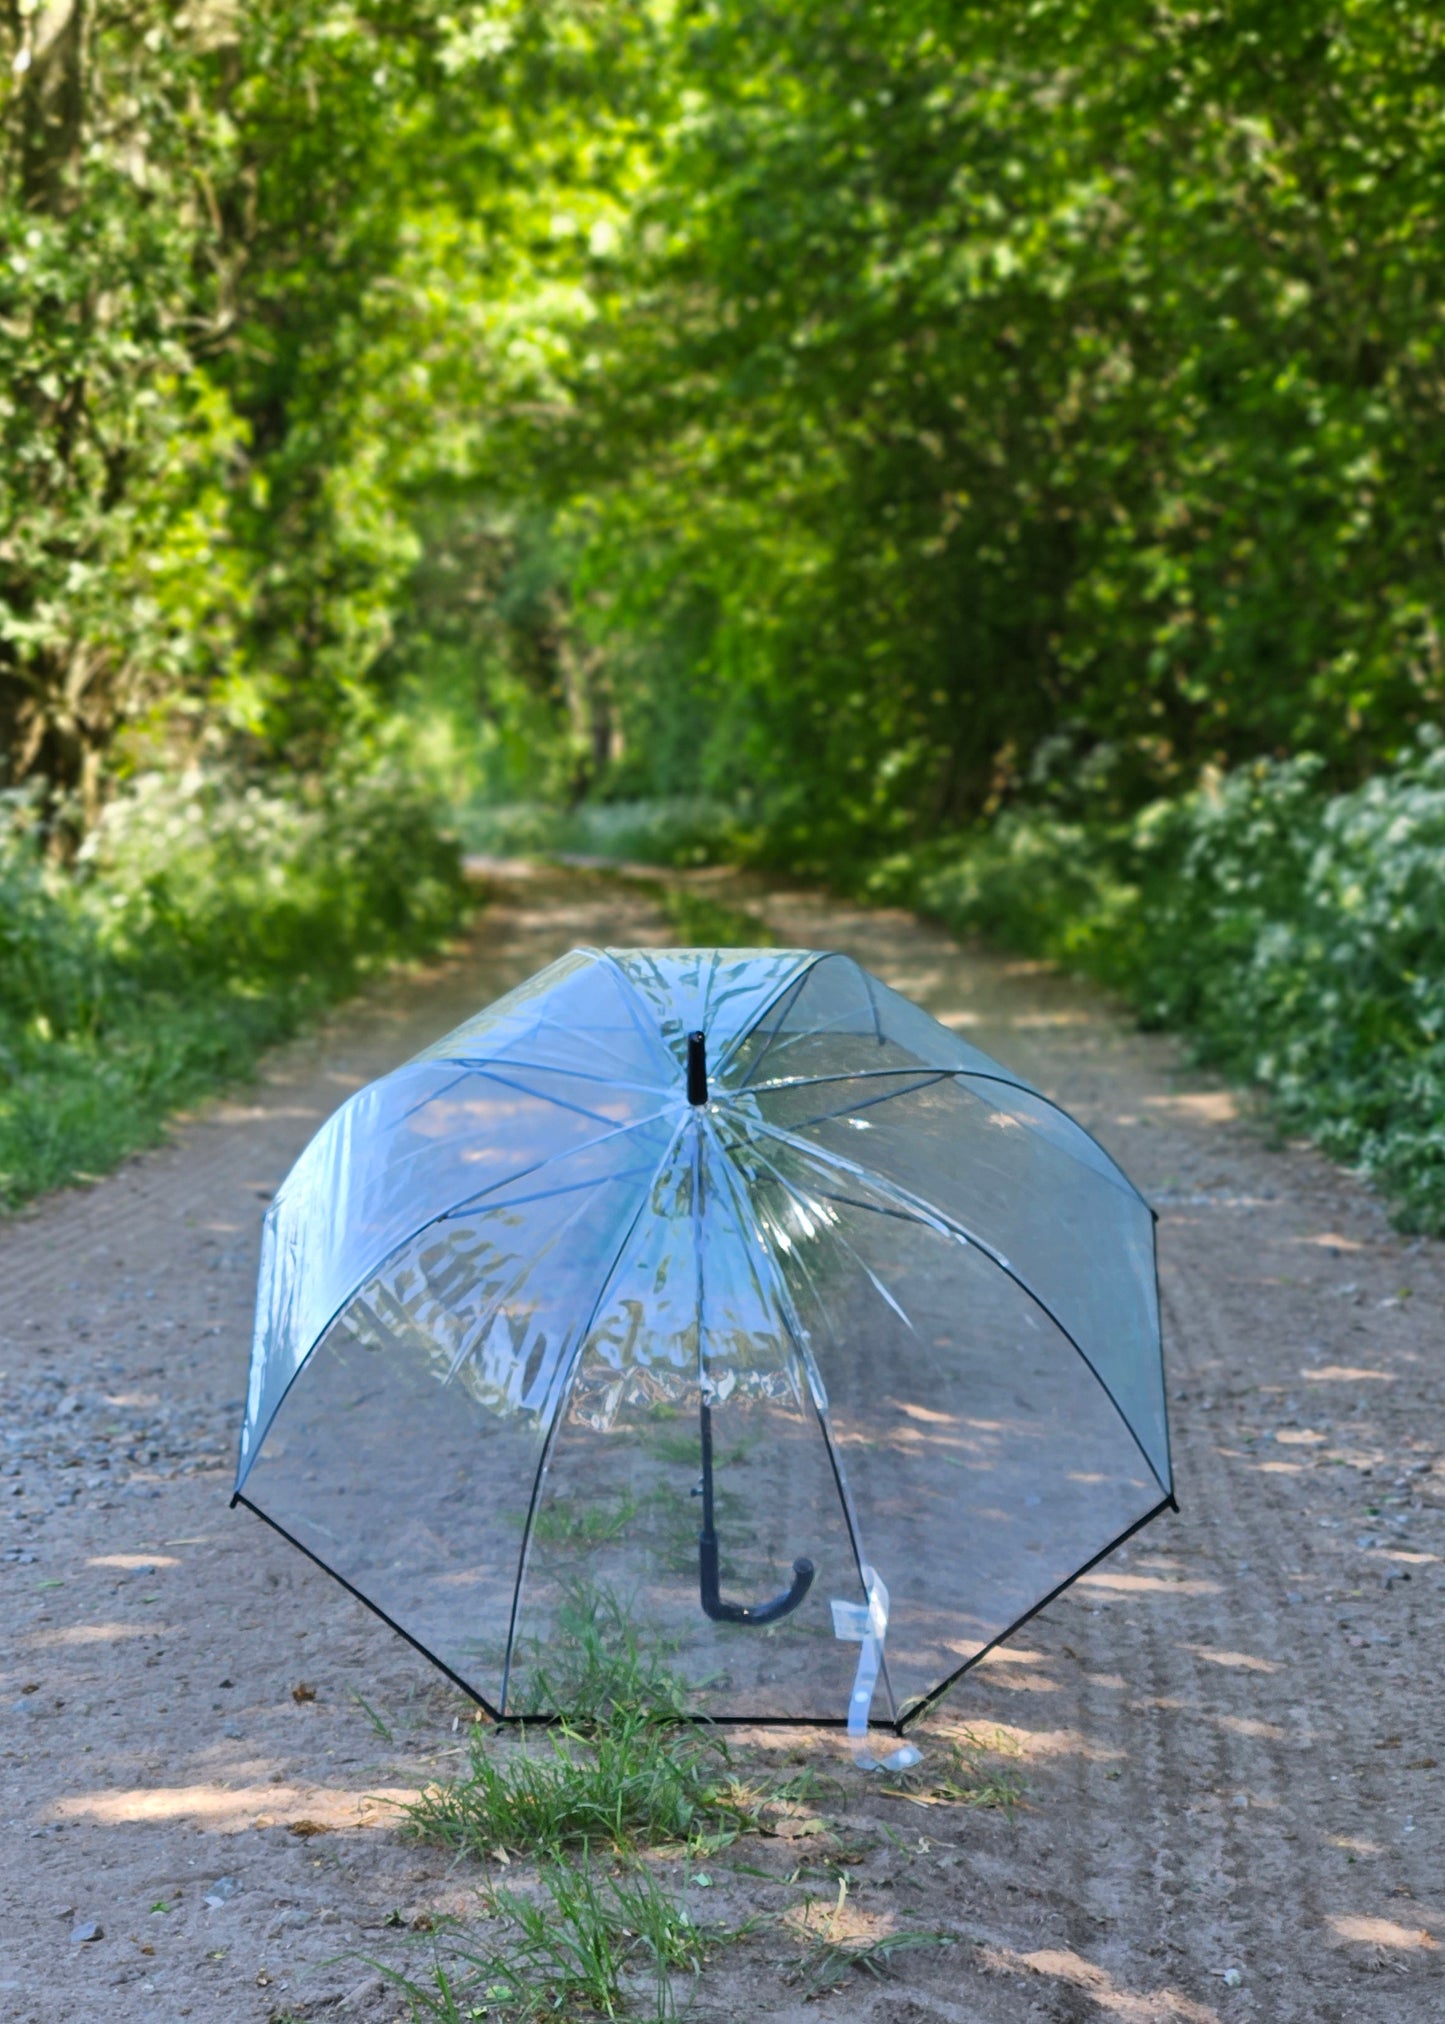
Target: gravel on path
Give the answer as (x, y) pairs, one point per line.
(1229, 1730)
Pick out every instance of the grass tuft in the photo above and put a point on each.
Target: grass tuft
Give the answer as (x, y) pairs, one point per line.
(831, 1955)
(580, 1942)
(592, 1666)
(829, 1963)
(638, 1781)
(628, 1769)
(976, 1772)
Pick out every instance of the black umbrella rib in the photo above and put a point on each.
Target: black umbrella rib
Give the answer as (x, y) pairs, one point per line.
(916, 1209)
(542, 1095)
(564, 1382)
(562, 1188)
(789, 987)
(1159, 1336)
(785, 1082)
(478, 1200)
(644, 1016)
(869, 1102)
(444, 1215)
(544, 1021)
(607, 1080)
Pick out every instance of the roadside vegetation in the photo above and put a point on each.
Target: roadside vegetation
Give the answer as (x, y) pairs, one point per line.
(204, 920)
(1298, 935)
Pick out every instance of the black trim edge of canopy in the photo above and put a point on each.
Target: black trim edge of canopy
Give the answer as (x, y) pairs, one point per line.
(456, 1679)
(898, 1727)
(931, 1699)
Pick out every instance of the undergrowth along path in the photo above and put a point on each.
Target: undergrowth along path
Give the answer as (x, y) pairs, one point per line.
(1232, 1804)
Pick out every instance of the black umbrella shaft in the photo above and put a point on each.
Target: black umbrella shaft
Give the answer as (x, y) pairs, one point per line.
(707, 1519)
(697, 1068)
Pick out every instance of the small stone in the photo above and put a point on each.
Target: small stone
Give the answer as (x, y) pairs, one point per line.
(231, 1729)
(1233, 1978)
(86, 1931)
(223, 1889)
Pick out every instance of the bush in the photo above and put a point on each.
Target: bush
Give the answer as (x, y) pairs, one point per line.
(1297, 935)
(206, 918)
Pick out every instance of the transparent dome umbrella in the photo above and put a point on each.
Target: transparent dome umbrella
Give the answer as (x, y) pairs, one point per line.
(726, 1286)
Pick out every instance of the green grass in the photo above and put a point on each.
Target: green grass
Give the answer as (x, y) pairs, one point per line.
(567, 1524)
(593, 1819)
(625, 1773)
(975, 1772)
(576, 1941)
(628, 1771)
(828, 1963)
(638, 1781)
(593, 1668)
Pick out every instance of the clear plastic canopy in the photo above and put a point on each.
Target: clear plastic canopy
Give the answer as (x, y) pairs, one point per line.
(823, 1330)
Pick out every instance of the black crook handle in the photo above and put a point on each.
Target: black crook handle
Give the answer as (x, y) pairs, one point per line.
(707, 1558)
(746, 1612)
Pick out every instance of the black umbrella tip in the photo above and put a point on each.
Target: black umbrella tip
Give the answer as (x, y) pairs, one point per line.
(697, 1068)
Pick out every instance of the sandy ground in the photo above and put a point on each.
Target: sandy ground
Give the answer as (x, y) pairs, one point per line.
(1228, 1732)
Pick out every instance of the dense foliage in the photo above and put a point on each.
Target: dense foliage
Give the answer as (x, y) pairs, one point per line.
(257, 280)
(205, 921)
(836, 404)
(868, 418)
(1003, 374)
(1299, 935)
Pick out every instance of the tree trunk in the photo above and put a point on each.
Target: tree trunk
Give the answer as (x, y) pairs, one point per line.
(52, 107)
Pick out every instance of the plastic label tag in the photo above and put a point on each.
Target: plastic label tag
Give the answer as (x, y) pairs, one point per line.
(850, 1621)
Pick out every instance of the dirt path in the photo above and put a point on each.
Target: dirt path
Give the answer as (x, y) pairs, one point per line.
(1229, 1730)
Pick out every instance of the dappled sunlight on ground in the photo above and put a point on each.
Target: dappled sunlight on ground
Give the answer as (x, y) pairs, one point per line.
(1039, 1744)
(149, 1562)
(1059, 1964)
(1108, 1581)
(87, 1634)
(1372, 1932)
(839, 1921)
(1243, 1661)
(1200, 1106)
(228, 1808)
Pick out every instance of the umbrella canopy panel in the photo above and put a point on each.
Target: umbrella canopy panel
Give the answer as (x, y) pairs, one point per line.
(522, 1301)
